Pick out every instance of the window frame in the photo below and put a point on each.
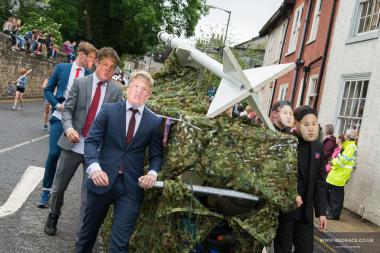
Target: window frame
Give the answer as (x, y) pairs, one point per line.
(296, 27)
(353, 35)
(281, 41)
(312, 80)
(281, 95)
(342, 118)
(316, 21)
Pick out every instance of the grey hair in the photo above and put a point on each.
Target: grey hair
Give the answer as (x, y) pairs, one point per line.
(351, 134)
(329, 129)
(144, 74)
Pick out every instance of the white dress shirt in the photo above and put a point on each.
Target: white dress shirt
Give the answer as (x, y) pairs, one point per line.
(58, 113)
(79, 147)
(95, 166)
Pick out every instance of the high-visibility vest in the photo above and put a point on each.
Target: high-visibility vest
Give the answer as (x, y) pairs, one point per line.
(343, 165)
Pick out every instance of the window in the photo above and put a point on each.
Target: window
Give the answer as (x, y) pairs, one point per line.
(365, 24)
(270, 49)
(312, 91)
(282, 92)
(369, 16)
(314, 27)
(352, 105)
(280, 41)
(295, 29)
(299, 94)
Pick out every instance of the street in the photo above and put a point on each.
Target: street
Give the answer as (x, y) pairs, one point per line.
(24, 144)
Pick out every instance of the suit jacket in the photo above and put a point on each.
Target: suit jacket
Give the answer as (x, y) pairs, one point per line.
(59, 79)
(109, 133)
(78, 103)
(312, 184)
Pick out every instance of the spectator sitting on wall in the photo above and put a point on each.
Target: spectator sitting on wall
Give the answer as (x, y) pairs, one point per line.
(20, 41)
(41, 46)
(68, 50)
(51, 50)
(8, 27)
(33, 41)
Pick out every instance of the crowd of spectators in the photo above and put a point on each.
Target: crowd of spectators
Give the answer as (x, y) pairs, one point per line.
(36, 42)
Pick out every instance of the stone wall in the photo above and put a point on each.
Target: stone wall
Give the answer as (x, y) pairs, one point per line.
(11, 62)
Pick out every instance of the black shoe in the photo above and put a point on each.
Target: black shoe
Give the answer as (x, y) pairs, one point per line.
(51, 224)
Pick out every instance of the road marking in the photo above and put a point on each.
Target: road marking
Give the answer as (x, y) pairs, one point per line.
(23, 144)
(29, 180)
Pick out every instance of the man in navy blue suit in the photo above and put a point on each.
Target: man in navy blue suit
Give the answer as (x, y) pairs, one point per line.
(60, 82)
(114, 152)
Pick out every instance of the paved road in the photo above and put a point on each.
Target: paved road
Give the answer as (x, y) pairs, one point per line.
(23, 230)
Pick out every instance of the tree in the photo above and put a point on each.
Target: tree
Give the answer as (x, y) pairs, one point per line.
(4, 10)
(128, 26)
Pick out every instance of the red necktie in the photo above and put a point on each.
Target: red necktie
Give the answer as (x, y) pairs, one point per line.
(92, 111)
(131, 126)
(77, 73)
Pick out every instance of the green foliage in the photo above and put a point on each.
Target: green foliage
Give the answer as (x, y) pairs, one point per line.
(4, 10)
(219, 152)
(249, 58)
(69, 14)
(48, 25)
(128, 26)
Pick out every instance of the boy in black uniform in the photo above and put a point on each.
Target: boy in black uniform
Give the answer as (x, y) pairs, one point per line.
(296, 227)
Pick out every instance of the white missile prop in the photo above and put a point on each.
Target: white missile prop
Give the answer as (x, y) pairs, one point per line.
(236, 84)
(211, 191)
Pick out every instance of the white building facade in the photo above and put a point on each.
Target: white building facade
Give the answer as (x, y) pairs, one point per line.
(351, 95)
(274, 30)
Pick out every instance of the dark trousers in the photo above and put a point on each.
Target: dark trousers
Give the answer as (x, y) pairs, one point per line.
(293, 232)
(56, 131)
(125, 216)
(335, 200)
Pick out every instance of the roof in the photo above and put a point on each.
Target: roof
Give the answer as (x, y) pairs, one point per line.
(280, 14)
(257, 38)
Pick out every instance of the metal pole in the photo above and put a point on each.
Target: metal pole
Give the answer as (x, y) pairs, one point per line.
(228, 23)
(225, 36)
(211, 191)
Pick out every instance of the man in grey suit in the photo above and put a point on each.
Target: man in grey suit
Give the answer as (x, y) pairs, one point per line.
(84, 102)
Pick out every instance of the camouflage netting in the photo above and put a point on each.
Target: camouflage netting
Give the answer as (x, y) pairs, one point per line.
(220, 152)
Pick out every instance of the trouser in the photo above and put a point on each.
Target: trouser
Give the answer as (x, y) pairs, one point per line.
(68, 165)
(56, 131)
(336, 198)
(294, 232)
(124, 221)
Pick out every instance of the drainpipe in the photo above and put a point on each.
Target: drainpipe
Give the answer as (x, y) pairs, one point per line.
(306, 70)
(324, 57)
(279, 62)
(299, 61)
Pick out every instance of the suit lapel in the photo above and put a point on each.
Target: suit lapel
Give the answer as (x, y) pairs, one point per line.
(108, 93)
(123, 118)
(89, 81)
(66, 76)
